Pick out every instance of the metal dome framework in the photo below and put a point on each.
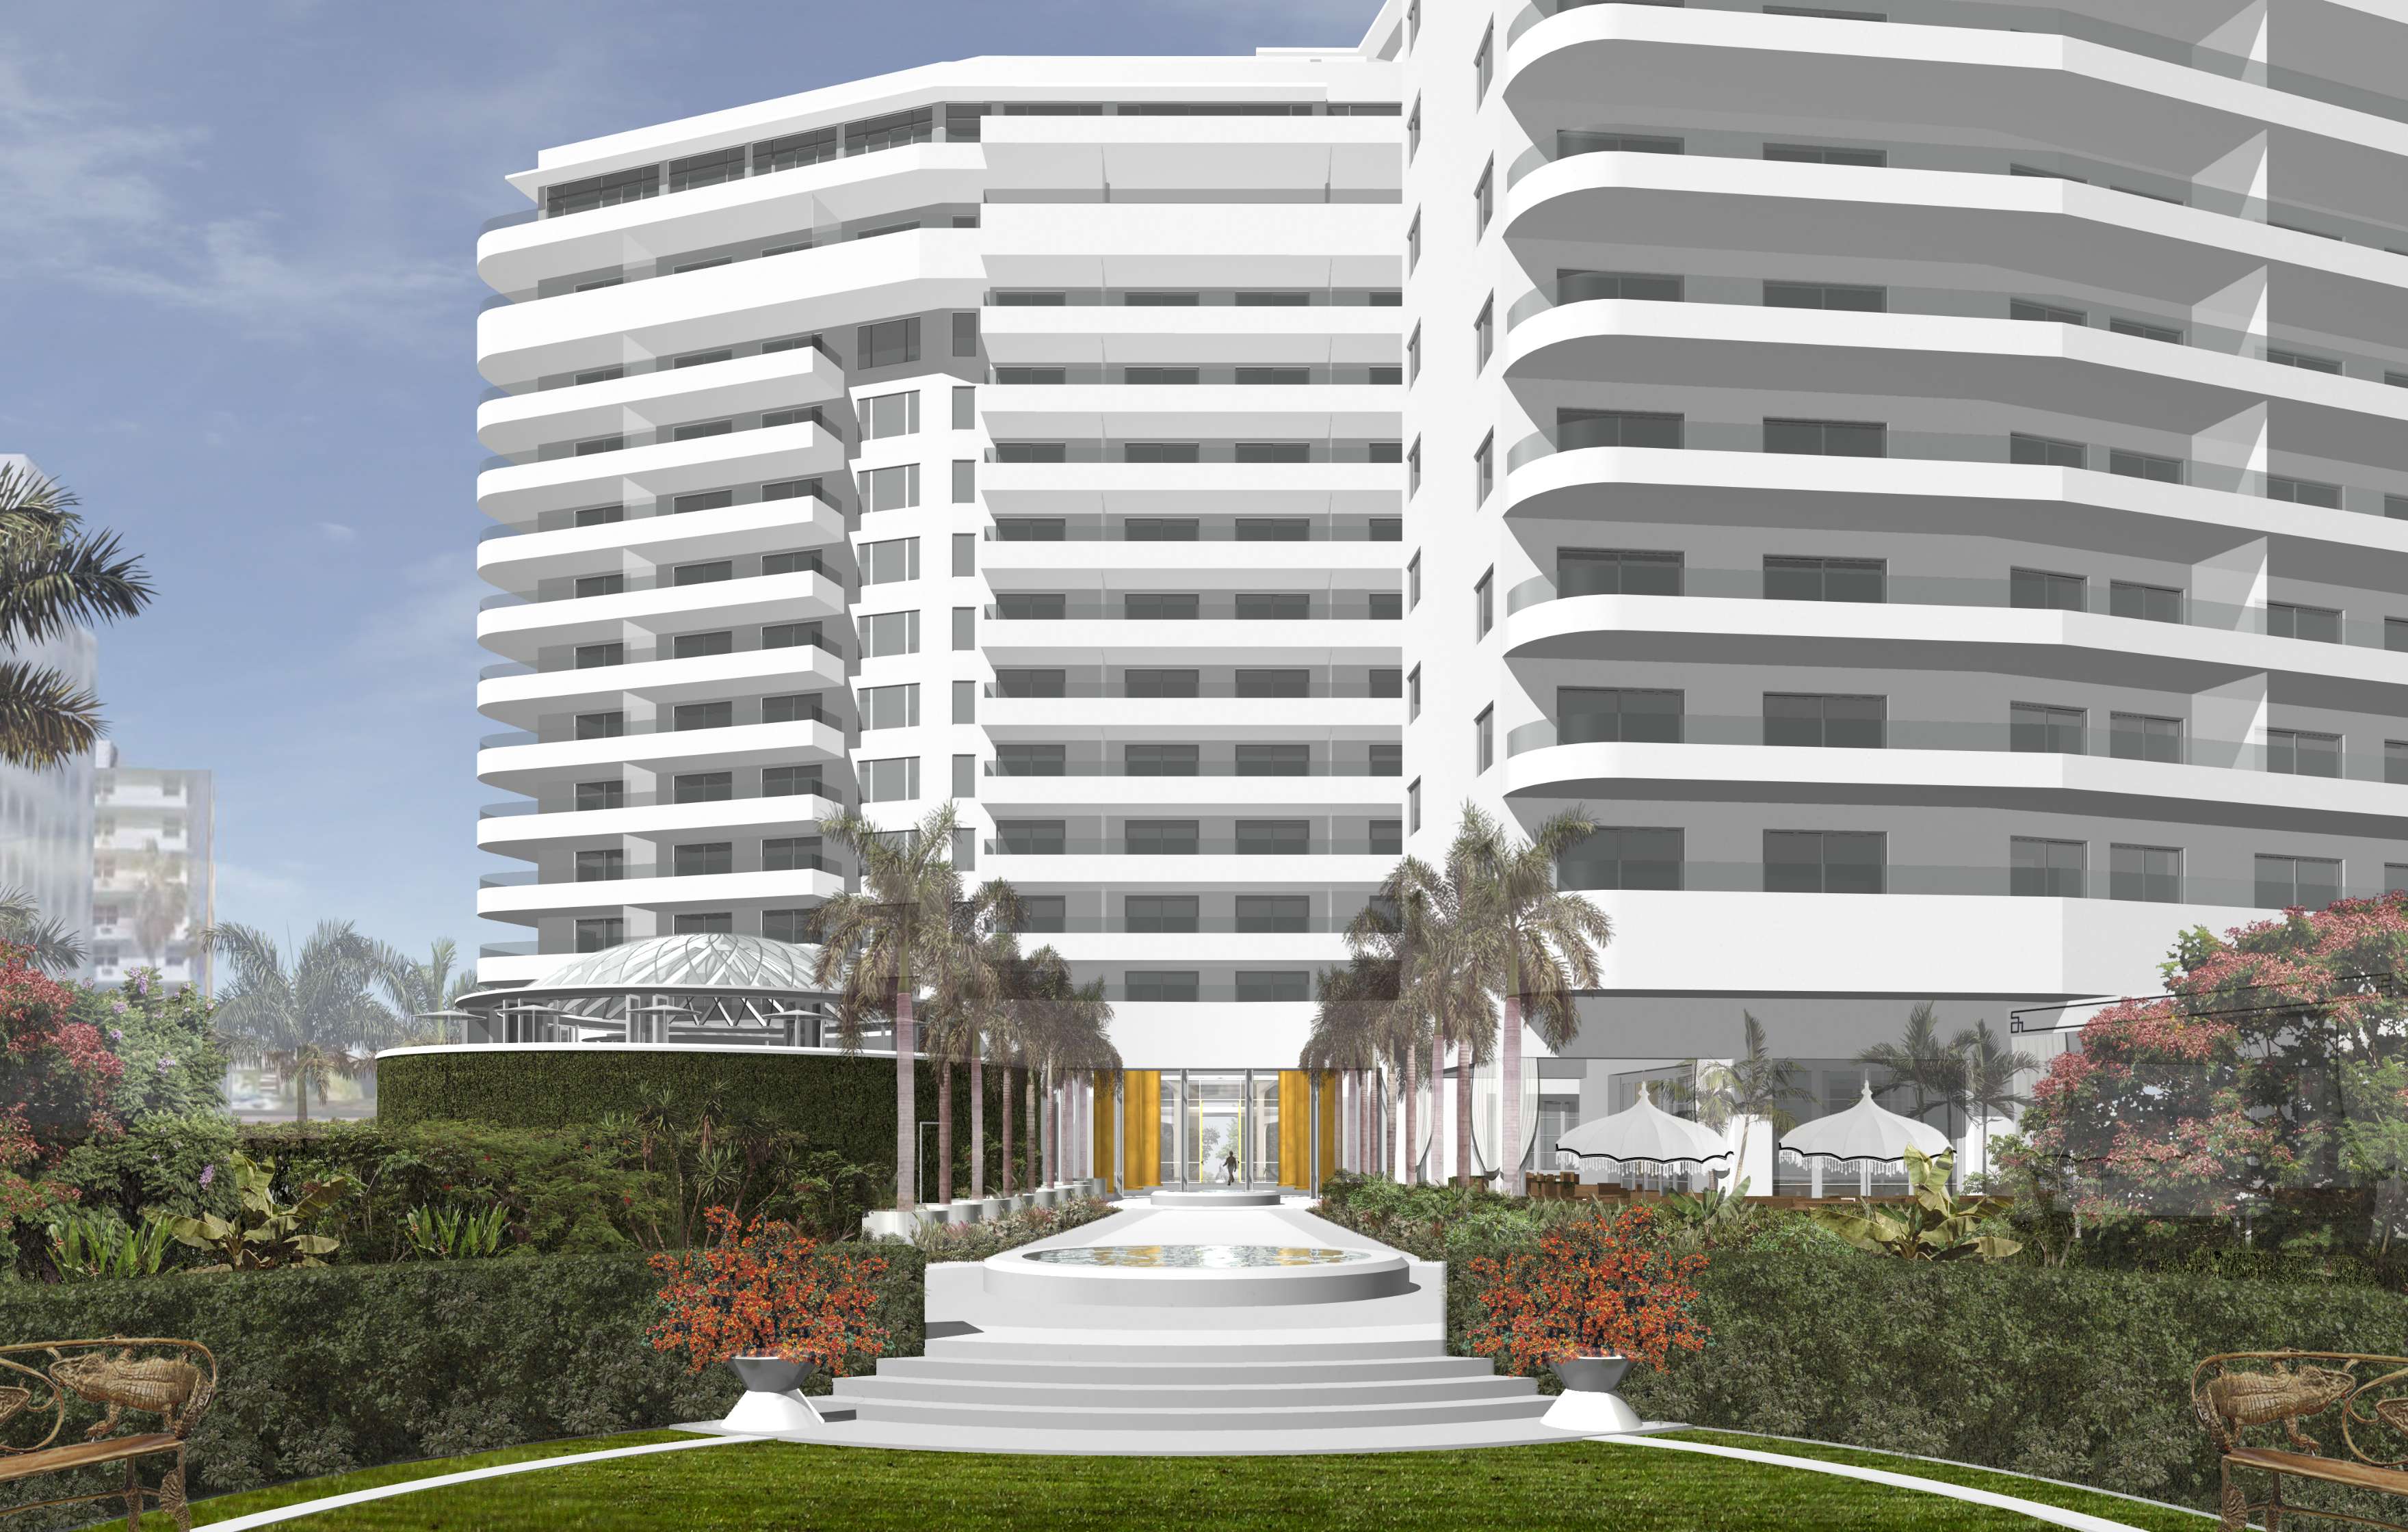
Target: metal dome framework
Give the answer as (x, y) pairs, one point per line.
(715, 988)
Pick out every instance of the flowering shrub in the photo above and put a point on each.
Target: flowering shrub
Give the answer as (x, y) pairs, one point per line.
(1594, 1284)
(977, 1241)
(761, 1288)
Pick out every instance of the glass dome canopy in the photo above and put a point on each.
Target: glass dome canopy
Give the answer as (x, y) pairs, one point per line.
(719, 962)
(716, 988)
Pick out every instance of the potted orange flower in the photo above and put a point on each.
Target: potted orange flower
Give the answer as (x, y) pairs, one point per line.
(1590, 1302)
(761, 1298)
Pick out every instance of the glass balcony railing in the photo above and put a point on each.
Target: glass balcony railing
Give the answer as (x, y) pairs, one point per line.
(2164, 741)
(1162, 454)
(565, 729)
(2311, 485)
(696, 504)
(1975, 881)
(2131, 602)
(556, 452)
(618, 872)
(1979, 15)
(1154, 607)
(805, 803)
(583, 588)
(1007, 766)
(1215, 377)
(1062, 688)
(1187, 529)
(1007, 846)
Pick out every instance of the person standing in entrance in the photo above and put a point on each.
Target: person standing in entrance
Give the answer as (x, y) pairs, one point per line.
(1229, 1167)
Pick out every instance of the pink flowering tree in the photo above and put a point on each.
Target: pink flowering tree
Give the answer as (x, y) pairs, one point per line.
(2277, 1060)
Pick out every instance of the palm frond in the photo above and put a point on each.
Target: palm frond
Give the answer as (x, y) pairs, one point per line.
(45, 718)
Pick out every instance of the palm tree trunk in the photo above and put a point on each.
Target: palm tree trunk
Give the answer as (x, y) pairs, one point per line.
(1003, 1111)
(945, 1132)
(978, 1126)
(1033, 1145)
(1411, 1172)
(1509, 1148)
(300, 1097)
(1438, 1098)
(1388, 1130)
(907, 1102)
(1463, 1166)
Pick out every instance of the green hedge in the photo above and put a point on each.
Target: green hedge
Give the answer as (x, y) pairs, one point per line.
(338, 1368)
(842, 1103)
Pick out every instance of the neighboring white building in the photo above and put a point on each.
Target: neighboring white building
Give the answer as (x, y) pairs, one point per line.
(153, 886)
(2002, 386)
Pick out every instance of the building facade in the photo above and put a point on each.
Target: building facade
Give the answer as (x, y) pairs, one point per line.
(153, 886)
(1928, 482)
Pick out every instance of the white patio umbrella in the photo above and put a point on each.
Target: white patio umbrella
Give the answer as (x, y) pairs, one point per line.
(1865, 1134)
(1644, 1131)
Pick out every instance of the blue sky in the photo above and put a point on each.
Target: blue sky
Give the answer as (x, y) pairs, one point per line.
(239, 307)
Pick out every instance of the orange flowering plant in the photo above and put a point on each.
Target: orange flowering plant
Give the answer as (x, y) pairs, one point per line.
(1592, 1286)
(762, 1288)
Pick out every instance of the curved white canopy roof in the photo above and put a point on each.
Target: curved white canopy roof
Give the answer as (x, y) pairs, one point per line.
(1644, 1131)
(718, 962)
(1866, 1131)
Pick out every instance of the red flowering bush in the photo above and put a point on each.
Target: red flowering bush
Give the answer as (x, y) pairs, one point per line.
(1592, 1285)
(761, 1288)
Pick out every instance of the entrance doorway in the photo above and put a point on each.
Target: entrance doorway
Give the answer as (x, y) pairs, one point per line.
(1220, 1127)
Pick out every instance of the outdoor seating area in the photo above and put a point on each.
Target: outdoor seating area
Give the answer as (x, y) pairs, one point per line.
(43, 1382)
(2356, 1404)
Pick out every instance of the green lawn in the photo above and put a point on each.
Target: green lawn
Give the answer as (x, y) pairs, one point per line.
(225, 1507)
(1584, 1485)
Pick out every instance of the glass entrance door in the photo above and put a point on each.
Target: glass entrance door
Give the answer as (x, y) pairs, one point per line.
(1216, 1132)
(1219, 1128)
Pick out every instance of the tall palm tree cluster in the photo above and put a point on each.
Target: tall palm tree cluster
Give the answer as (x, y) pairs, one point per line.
(1460, 958)
(914, 949)
(1973, 1073)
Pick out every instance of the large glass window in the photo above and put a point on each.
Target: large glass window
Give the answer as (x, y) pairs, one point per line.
(1029, 837)
(1271, 760)
(2305, 883)
(1616, 714)
(1160, 837)
(2300, 753)
(2038, 728)
(703, 859)
(1825, 861)
(1798, 578)
(1157, 984)
(2318, 624)
(2149, 874)
(1265, 913)
(2039, 588)
(1164, 761)
(1616, 571)
(1826, 438)
(889, 343)
(2148, 603)
(1160, 913)
(1578, 428)
(2045, 869)
(1623, 857)
(1837, 723)
(890, 780)
(1021, 759)
(1593, 286)
(1274, 837)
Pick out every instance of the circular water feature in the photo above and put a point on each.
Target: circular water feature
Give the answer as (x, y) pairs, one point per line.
(1196, 1257)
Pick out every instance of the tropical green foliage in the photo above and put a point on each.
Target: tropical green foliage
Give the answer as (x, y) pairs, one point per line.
(54, 576)
(92, 1246)
(265, 1233)
(1931, 1225)
(313, 1019)
(456, 1234)
(51, 946)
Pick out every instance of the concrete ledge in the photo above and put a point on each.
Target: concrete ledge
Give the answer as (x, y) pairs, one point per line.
(1016, 1275)
(1234, 1198)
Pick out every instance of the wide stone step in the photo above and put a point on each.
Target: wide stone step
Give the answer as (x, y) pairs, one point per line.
(1029, 1394)
(1121, 1366)
(1324, 1348)
(1300, 1421)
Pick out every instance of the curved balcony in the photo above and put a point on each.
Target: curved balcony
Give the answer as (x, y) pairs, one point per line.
(524, 826)
(1335, 642)
(542, 553)
(1170, 717)
(1091, 868)
(526, 490)
(1195, 244)
(1339, 411)
(511, 896)
(527, 760)
(520, 424)
(522, 695)
(1304, 335)
(1193, 489)
(521, 631)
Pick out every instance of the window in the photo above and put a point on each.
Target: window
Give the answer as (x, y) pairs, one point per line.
(792, 636)
(1154, 984)
(1616, 571)
(966, 775)
(1273, 606)
(2035, 728)
(703, 859)
(2304, 883)
(1272, 761)
(1413, 25)
(1793, 579)
(1160, 606)
(1483, 333)
(1579, 428)
(589, 585)
(1271, 298)
(1386, 836)
(2302, 359)
(1484, 604)
(891, 415)
(795, 149)
(1284, 984)
(594, 656)
(1160, 837)
(611, 794)
(714, 923)
(2303, 492)
(1413, 243)
(702, 715)
(1385, 529)
(890, 780)
(1259, 913)
(965, 702)
(1161, 761)
(1413, 468)
(1413, 355)
(1030, 761)
(1387, 759)
(1483, 738)
(1258, 451)
(890, 489)
(1274, 837)
(883, 562)
(966, 330)
(791, 853)
(889, 343)
(1413, 124)
(1825, 861)
(1831, 722)
(1573, 286)
(1274, 683)
(1161, 451)
(1617, 857)
(2046, 451)
(1386, 682)
(2297, 752)
(2395, 634)
(2044, 869)
(2395, 761)
(1828, 438)
(790, 564)
(964, 481)
(1588, 715)
(2148, 603)
(965, 628)
(1158, 529)
(608, 515)
(1414, 805)
(2318, 624)
(789, 925)
(1159, 913)
(2046, 313)
(2164, 470)
(1484, 198)
(1483, 64)
(2138, 736)
(1031, 451)
(2037, 588)
(697, 430)
(605, 866)
(1825, 154)
(695, 646)
(592, 445)
(1413, 584)
(791, 781)
(579, 196)
(1413, 695)
(1030, 837)
(791, 708)
(2395, 506)
(608, 726)
(2170, 334)
(597, 933)
(1484, 463)
(1861, 300)
(789, 417)
(890, 633)
(1161, 683)
(889, 707)
(1570, 141)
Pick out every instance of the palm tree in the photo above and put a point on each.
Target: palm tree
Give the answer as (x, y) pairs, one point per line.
(891, 937)
(1748, 1089)
(309, 1021)
(47, 943)
(1060, 1025)
(161, 902)
(1921, 1060)
(1349, 1022)
(1991, 1069)
(416, 989)
(53, 577)
(1415, 921)
(1531, 942)
(971, 964)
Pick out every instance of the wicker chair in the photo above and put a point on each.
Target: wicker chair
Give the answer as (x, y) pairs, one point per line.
(2359, 1402)
(174, 1379)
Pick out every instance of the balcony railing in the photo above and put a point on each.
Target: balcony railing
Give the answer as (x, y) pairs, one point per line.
(561, 451)
(1209, 297)
(632, 871)
(1187, 529)
(1002, 767)
(1150, 453)
(566, 588)
(1213, 376)
(565, 799)
(591, 516)
(560, 728)
(1323, 846)
(551, 660)
(1101, 689)
(1978, 15)
(1113, 607)
(2307, 487)
(1973, 881)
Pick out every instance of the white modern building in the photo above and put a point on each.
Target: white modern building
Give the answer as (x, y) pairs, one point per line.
(153, 870)
(1932, 482)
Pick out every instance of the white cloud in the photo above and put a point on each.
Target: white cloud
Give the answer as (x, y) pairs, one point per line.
(337, 532)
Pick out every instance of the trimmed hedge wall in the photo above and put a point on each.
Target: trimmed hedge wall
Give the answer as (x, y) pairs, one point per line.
(330, 1368)
(842, 1103)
